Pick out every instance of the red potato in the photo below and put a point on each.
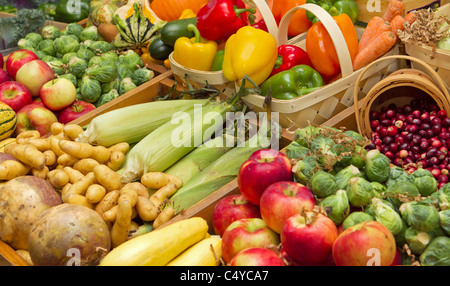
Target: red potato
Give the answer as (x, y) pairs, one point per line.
(67, 235)
(22, 200)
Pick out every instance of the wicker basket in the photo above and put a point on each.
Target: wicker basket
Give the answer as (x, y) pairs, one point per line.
(439, 59)
(322, 104)
(198, 78)
(400, 87)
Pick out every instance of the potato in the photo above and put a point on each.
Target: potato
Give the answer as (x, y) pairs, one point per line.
(101, 154)
(72, 130)
(85, 165)
(79, 150)
(11, 169)
(22, 200)
(116, 160)
(95, 193)
(66, 228)
(58, 178)
(108, 201)
(107, 177)
(56, 128)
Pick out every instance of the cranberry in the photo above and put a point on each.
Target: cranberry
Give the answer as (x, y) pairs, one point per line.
(433, 161)
(437, 128)
(400, 116)
(446, 122)
(442, 114)
(403, 154)
(374, 123)
(388, 140)
(444, 171)
(436, 143)
(409, 119)
(385, 122)
(425, 117)
(390, 113)
(391, 130)
(398, 161)
(429, 133)
(416, 113)
(442, 179)
(407, 109)
(436, 173)
(424, 126)
(390, 155)
(424, 145)
(373, 114)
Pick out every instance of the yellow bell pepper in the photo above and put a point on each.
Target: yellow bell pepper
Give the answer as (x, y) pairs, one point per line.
(195, 53)
(187, 13)
(252, 52)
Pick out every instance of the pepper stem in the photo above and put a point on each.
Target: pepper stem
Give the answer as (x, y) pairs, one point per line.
(239, 11)
(193, 28)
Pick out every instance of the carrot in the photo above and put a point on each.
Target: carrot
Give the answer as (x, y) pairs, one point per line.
(394, 8)
(411, 17)
(397, 24)
(376, 48)
(374, 28)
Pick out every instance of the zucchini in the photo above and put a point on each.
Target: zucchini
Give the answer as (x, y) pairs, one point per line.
(173, 30)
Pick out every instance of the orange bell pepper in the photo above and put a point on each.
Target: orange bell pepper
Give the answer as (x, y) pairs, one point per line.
(320, 47)
(299, 22)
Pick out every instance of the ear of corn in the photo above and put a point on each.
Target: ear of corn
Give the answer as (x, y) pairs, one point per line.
(200, 158)
(216, 175)
(132, 123)
(172, 141)
(158, 247)
(206, 252)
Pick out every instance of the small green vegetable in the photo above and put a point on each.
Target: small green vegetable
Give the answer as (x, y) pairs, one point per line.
(337, 206)
(355, 218)
(437, 253)
(377, 166)
(359, 191)
(421, 216)
(323, 184)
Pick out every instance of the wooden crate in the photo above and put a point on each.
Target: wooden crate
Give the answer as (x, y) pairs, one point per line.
(371, 8)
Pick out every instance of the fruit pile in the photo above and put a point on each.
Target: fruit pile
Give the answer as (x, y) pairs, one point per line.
(413, 135)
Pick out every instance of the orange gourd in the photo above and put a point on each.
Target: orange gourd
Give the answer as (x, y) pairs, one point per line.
(170, 10)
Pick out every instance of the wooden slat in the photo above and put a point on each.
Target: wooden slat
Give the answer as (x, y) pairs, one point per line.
(8, 257)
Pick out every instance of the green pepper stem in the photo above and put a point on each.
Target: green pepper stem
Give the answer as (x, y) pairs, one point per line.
(193, 28)
(239, 11)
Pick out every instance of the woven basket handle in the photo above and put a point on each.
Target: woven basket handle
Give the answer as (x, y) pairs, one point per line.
(330, 25)
(438, 80)
(268, 17)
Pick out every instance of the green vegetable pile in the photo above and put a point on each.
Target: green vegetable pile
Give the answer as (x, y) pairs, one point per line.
(99, 71)
(354, 185)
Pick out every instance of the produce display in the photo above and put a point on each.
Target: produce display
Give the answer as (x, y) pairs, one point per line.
(165, 179)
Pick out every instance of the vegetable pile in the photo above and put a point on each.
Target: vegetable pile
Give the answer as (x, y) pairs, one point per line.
(413, 136)
(97, 69)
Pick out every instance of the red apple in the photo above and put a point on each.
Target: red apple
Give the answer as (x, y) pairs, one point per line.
(58, 93)
(282, 200)
(398, 260)
(4, 77)
(246, 233)
(75, 110)
(35, 117)
(230, 209)
(263, 168)
(15, 95)
(367, 243)
(17, 59)
(38, 100)
(257, 256)
(308, 237)
(34, 75)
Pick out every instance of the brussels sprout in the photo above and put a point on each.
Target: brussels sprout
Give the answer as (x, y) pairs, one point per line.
(74, 29)
(323, 184)
(142, 75)
(344, 175)
(377, 166)
(103, 72)
(107, 97)
(108, 86)
(443, 197)
(304, 136)
(126, 85)
(65, 44)
(25, 44)
(358, 158)
(85, 53)
(359, 191)
(77, 66)
(325, 150)
(34, 37)
(359, 139)
(102, 46)
(70, 77)
(387, 216)
(356, 217)
(66, 58)
(123, 71)
(420, 216)
(397, 174)
(417, 240)
(131, 59)
(337, 206)
(90, 89)
(89, 33)
(47, 47)
(304, 169)
(401, 189)
(424, 181)
(57, 66)
(437, 252)
(400, 239)
(40, 54)
(48, 58)
(110, 55)
(94, 60)
(444, 220)
(50, 32)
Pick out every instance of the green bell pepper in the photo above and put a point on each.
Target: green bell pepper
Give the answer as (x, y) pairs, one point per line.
(297, 81)
(69, 11)
(335, 8)
(218, 61)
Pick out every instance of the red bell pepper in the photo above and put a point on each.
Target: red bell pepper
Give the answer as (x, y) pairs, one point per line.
(289, 56)
(261, 25)
(219, 19)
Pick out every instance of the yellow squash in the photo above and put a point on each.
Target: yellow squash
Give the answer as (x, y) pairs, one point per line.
(204, 253)
(158, 247)
(8, 121)
(5, 142)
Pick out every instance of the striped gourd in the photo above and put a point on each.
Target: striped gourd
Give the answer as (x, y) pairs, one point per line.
(8, 120)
